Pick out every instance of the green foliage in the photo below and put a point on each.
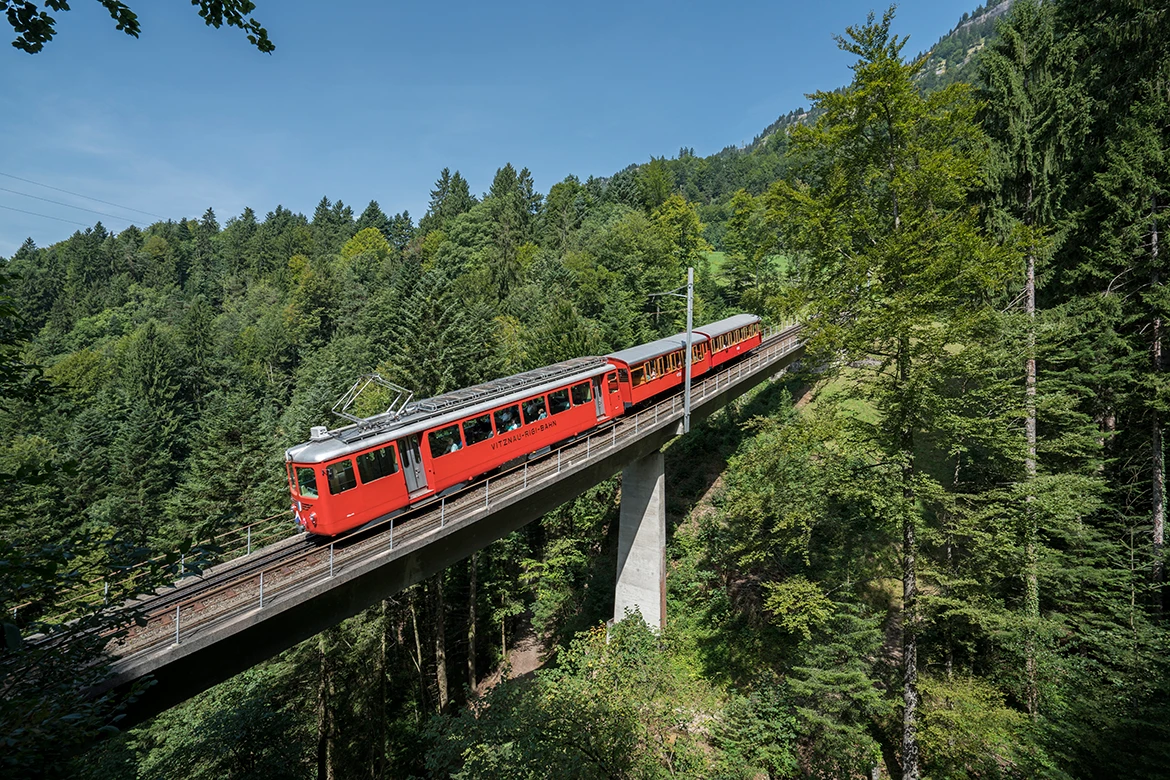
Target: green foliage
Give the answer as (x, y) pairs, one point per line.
(235, 731)
(609, 708)
(34, 27)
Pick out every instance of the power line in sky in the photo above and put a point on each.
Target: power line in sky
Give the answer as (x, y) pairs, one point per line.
(46, 216)
(79, 195)
(67, 205)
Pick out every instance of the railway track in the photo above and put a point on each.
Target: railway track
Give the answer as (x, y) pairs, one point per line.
(236, 587)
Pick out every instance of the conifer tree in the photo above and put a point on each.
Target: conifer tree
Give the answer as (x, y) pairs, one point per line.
(1028, 118)
(401, 230)
(894, 267)
(374, 217)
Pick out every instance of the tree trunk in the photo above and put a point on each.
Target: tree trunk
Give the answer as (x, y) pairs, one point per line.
(472, 678)
(418, 656)
(909, 581)
(1158, 478)
(438, 610)
(1031, 577)
(324, 711)
(378, 767)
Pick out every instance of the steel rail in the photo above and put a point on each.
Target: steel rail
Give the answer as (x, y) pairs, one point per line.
(238, 586)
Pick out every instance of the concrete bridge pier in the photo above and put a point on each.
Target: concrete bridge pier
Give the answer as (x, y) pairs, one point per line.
(641, 560)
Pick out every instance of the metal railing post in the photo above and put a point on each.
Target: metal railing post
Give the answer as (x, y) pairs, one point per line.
(249, 552)
(442, 515)
(588, 441)
(613, 442)
(261, 589)
(487, 493)
(331, 559)
(177, 608)
(391, 533)
(525, 475)
(558, 461)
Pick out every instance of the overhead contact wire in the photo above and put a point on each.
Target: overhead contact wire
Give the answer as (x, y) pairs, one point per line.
(46, 216)
(68, 205)
(87, 197)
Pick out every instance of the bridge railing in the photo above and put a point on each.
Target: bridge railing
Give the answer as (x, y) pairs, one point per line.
(268, 582)
(231, 544)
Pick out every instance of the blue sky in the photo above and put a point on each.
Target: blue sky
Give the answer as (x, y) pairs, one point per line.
(369, 100)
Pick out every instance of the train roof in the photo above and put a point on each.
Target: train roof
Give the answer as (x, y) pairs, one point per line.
(727, 325)
(655, 348)
(447, 408)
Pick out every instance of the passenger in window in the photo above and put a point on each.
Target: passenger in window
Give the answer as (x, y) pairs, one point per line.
(454, 447)
(509, 420)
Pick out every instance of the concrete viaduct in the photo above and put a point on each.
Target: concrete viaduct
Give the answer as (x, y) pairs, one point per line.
(209, 628)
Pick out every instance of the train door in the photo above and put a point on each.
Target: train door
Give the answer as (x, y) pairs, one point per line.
(598, 398)
(412, 465)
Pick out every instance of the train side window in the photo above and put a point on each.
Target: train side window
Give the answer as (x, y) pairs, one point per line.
(306, 482)
(534, 410)
(341, 476)
(582, 393)
(613, 383)
(638, 375)
(445, 441)
(696, 353)
(507, 419)
(477, 429)
(558, 401)
(377, 464)
(623, 376)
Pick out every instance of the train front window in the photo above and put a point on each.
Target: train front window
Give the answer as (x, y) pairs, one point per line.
(558, 401)
(478, 429)
(534, 410)
(341, 477)
(377, 464)
(445, 441)
(582, 393)
(306, 482)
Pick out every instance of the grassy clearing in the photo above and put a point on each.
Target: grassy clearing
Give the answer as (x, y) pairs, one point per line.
(837, 389)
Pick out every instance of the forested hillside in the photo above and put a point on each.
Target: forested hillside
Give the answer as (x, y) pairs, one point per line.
(936, 551)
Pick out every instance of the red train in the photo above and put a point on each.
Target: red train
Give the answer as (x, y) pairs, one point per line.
(348, 477)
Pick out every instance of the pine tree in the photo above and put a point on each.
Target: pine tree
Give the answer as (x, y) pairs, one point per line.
(1028, 117)
(401, 231)
(894, 267)
(374, 217)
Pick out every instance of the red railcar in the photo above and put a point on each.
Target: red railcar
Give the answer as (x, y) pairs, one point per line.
(346, 478)
(658, 367)
(646, 370)
(729, 338)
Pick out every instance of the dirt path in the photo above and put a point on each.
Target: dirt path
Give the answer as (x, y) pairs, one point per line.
(524, 658)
